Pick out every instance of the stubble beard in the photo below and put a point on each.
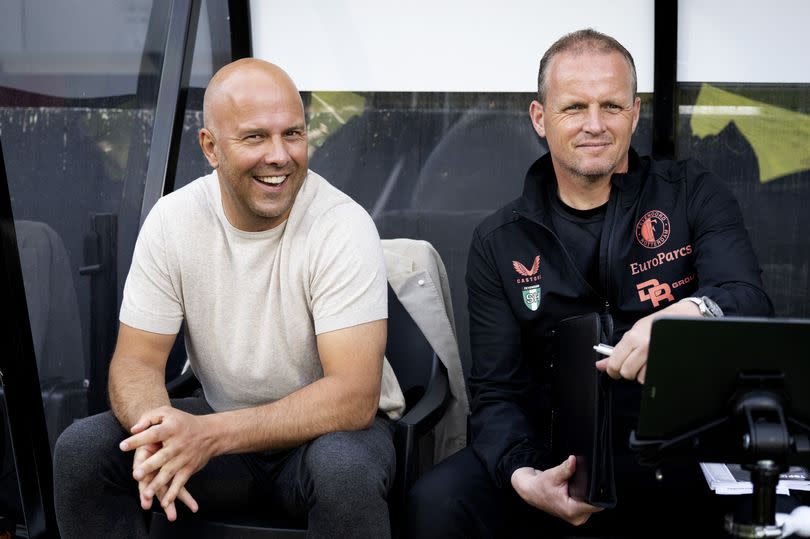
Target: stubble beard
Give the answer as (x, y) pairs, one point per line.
(591, 175)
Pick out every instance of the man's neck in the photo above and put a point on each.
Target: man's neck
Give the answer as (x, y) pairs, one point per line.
(583, 193)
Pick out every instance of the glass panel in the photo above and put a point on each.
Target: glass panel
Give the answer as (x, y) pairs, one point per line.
(73, 48)
(431, 165)
(757, 138)
(76, 118)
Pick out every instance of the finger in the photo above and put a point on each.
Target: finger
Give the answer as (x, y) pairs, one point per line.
(186, 497)
(163, 478)
(623, 349)
(171, 512)
(178, 482)
(633, 364)
(561, 473)
(614, 363)
(150, 418)
(146, 502)
(577, 513)
(576, 507)
(141, 456)
(170, 509)
(144, 452)
(150, 436)
(152, 464)
(601, 365)
(642, 374)
(145, 495)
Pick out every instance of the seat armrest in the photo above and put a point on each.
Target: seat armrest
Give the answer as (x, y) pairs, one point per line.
(430, 408)
(419, 420)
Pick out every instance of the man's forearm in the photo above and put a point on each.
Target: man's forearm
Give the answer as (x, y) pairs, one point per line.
(324, 406)
(134, 389)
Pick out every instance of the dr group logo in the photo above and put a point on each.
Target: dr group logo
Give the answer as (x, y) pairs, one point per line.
(654, 292)
(652, 230)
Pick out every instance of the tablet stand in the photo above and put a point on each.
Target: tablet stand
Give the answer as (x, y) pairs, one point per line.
(756, 434)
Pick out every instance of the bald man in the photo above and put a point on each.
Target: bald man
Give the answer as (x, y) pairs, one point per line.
(280, 281)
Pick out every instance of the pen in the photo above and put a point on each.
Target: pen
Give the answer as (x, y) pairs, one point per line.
(604, 349)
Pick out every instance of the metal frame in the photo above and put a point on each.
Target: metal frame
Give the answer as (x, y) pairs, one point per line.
(239, 20)
(173, 87)
(25, 415)
(101, 266)
(665, 79)
(170, 110)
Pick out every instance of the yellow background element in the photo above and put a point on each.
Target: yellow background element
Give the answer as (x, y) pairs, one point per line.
(328, 112)
(780, 137)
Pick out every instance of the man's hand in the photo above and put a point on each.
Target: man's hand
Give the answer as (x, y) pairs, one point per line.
(548, 491)
(146, 495)
(629, 357)
(170, 447)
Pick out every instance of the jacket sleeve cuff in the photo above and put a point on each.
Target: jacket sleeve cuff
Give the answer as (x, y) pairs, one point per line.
(521, 455)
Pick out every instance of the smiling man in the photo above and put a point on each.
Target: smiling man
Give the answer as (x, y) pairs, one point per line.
(598, 229)
(280, 281)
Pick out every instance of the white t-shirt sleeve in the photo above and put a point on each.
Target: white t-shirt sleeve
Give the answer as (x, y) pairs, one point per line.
(347, 269)
(151, 301)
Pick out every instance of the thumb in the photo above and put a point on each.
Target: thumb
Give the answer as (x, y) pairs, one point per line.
(562, 473)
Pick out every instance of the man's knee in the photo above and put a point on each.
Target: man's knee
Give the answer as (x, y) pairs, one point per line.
(348, 464)
(441, 491)
(88, 446)
(450, 499)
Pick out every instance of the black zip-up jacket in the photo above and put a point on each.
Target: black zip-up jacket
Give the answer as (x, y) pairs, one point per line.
(671, 230)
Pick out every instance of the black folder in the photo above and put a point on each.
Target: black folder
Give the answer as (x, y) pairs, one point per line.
(582, 410)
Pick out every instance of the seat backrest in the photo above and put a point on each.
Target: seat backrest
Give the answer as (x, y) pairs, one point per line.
(53, 308)
(408, 351)
(479, 164)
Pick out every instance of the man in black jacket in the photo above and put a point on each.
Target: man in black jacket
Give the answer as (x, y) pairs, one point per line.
(597, 229)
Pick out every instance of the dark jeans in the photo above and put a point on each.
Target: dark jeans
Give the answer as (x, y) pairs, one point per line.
(459, 499)
(337, 483)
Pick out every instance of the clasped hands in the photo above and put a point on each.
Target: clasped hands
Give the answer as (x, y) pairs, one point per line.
(170, 446)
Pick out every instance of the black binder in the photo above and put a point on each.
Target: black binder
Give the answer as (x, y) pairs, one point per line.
(582, 410)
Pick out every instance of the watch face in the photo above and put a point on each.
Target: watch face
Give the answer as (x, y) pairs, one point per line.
(709, 308)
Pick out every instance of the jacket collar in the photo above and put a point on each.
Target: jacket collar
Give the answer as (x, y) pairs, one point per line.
(541, 183)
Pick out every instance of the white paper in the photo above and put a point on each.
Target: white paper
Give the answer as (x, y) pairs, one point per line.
(721, 480)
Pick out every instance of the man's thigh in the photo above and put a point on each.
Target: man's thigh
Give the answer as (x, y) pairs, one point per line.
(458, 498)
(344, 463)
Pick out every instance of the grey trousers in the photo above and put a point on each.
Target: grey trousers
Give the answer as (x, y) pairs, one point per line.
(337, 484)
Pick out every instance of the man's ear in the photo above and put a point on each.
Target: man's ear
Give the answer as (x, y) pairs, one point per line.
(208, 144)
(636, 112)
(536, 112)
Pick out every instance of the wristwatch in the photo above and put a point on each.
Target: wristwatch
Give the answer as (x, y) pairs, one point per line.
(708, 308)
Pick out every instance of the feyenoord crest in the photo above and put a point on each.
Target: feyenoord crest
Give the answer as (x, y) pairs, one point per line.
(652, 230)
(531, 297)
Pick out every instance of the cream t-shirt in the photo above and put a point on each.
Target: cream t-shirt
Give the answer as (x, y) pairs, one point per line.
(253, 302)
